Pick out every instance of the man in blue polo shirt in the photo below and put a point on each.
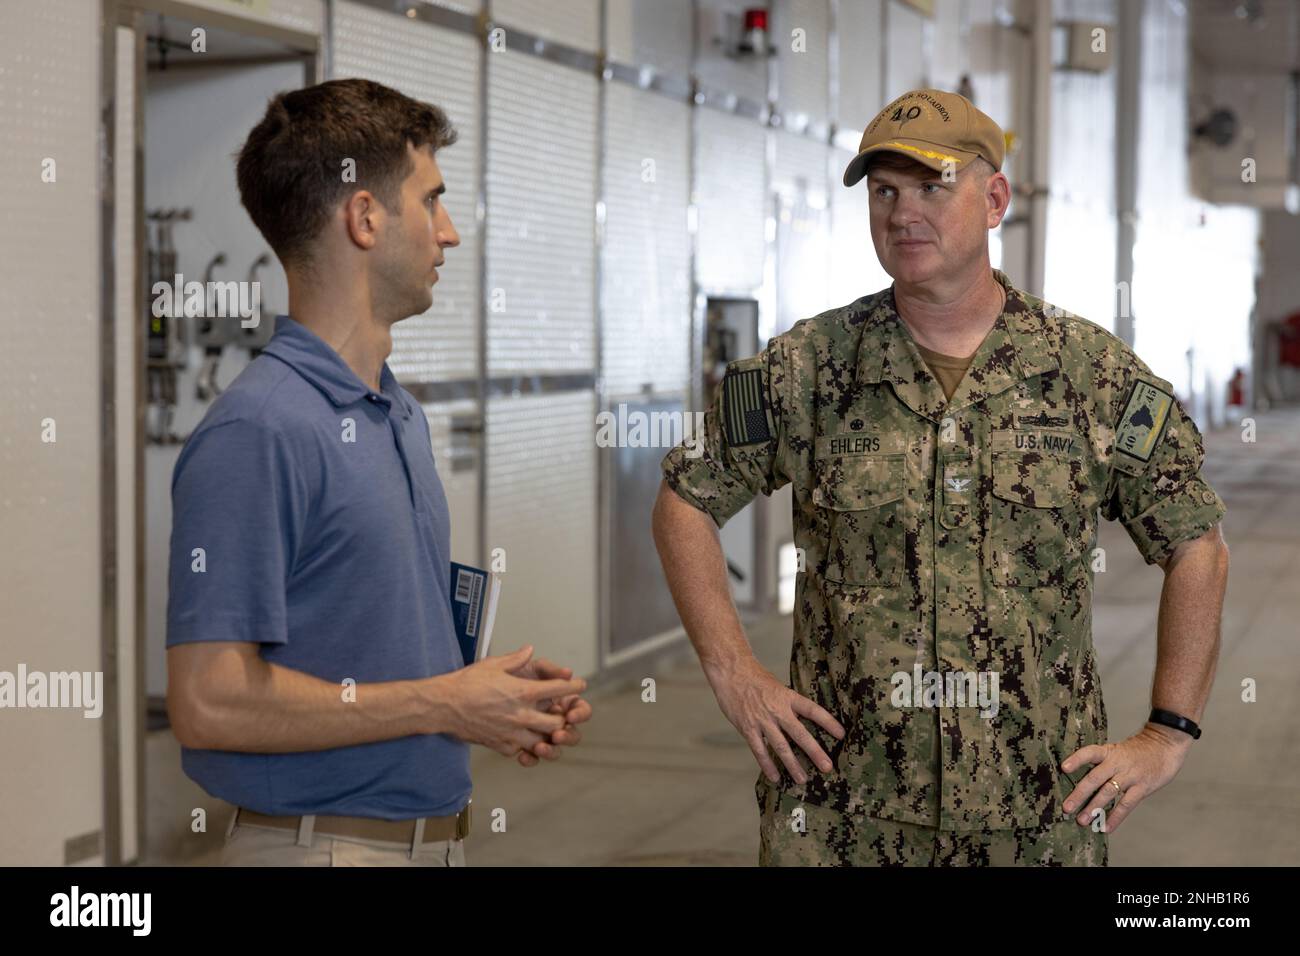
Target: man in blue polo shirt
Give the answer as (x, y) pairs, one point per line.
(315, 680)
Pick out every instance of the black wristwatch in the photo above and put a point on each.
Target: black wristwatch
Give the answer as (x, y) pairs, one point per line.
(1170, 719)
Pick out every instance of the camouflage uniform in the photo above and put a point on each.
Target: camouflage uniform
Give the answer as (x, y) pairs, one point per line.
(948, 536)
(794, 834)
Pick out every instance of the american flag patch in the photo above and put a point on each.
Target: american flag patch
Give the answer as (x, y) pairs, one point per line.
(744, 408)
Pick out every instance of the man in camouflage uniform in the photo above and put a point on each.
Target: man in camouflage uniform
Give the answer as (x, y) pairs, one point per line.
(946, 502)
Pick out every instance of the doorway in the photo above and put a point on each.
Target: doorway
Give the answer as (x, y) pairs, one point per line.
(190, 84)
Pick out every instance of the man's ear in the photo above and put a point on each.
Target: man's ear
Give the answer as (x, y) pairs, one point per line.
(997, 196)
(362, 216)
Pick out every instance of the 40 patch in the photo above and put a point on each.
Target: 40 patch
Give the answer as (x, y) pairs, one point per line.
(1143, 420)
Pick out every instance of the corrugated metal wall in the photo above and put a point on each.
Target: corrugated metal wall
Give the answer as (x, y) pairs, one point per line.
(541, 502)
(801, 167)
(542, 515)
(646, 305)
(458, 464)
(573, 22)
(541, 217)
(441, 66)
(854, 269)
(803, 89)
(800, 180)
(732, 200)
(651, 32)
(859, 76)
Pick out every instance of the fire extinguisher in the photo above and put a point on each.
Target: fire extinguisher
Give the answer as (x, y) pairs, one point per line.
(1237, 389)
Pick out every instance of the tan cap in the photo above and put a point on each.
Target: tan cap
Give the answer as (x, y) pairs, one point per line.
(933, 127)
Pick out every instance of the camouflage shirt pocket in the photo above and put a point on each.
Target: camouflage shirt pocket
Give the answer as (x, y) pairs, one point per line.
(863, 501)
(1036, 520)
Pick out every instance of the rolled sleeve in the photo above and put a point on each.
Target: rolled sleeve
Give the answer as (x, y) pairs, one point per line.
(237, 513)
(1185, 515)
(1164, 500)
(722, 469)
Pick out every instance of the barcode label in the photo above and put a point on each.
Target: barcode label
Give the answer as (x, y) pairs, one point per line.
(471, 626)
(464, 581)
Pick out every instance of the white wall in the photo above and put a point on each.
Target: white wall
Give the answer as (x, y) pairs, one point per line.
(51, 771)
(126, 324)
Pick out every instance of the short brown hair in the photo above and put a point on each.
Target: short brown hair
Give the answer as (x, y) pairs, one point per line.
(290, 169)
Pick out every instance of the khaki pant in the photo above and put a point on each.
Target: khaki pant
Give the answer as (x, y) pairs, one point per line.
(248, 845)
(828, 838)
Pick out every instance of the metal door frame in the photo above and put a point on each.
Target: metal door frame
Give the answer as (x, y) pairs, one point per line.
(131, 14)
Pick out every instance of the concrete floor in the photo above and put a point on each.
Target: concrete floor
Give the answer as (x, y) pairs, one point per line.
(670, 782)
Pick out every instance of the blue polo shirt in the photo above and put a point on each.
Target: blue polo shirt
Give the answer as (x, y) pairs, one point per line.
(325, 537)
